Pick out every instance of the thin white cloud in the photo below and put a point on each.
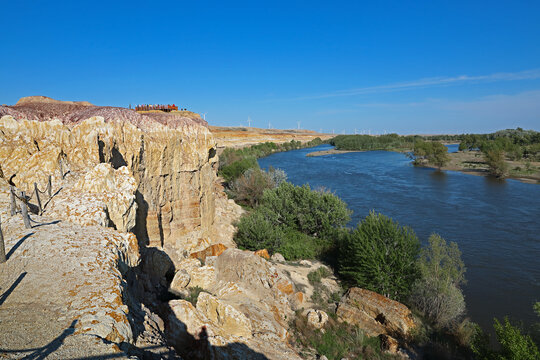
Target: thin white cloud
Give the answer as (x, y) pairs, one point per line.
(429, 82)
(482, 114)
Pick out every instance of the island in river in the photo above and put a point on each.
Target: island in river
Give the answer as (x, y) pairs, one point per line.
(331, 152)
(468, 162)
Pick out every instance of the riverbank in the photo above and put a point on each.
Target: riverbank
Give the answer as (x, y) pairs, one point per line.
(483, 216)
(472, 163)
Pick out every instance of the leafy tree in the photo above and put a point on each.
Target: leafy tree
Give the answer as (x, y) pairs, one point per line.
(494, 157)
(432, 152)
(513, 344)
(380, 255)
(436, 293)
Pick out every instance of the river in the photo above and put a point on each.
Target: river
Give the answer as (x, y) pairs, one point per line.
(495, 223)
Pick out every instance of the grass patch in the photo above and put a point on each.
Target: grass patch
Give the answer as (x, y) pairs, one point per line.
(194, 295)
(317, 275)
(337, 341)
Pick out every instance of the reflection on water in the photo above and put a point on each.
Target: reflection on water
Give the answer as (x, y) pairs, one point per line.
(494, 222)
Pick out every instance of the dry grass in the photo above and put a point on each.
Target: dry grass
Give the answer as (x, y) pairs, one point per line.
(472, 162)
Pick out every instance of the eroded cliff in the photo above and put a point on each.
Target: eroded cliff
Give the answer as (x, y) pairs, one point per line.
(170, 159)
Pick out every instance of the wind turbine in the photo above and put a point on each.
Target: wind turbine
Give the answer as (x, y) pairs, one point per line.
(204, 116)
(249, 121)
(298, 122)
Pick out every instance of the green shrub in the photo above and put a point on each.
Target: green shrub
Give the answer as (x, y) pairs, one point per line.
(315, 213)
(380, 255)
(237, 168)
(338, 341)
(436, 293)
(296, 246)
(316, 275)
(293, 220)
(464, 332)
(512, 343)
(257, 230)
(494, 158)
(277, 176)
(228, 156)
(194, 295)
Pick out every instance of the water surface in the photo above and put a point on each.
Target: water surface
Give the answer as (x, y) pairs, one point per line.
(495, 223)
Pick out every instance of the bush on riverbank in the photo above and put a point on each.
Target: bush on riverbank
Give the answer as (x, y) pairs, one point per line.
(338, 341)
(436, 293)
(431, 152)
(512, 343)
(248, 189)
(380, 255)
(294, 220)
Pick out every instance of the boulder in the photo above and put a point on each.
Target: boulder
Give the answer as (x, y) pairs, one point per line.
(189, 264)
(277, 257)
(203, 277)
(116, 188)
(180, 282)
(251, 303)
(228, 320)
(317, 318)
(375, 313)
(389, 344)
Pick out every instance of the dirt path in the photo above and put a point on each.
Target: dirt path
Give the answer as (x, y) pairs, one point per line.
(60, 289)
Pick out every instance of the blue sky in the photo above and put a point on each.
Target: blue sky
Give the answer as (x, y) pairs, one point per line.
(395, 66)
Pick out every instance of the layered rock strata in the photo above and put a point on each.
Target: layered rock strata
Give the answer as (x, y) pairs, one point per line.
(171, 160)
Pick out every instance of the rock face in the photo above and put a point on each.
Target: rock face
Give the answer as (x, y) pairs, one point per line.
(102, 196)
(375, 313)
(171, 162)
(251, 304)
